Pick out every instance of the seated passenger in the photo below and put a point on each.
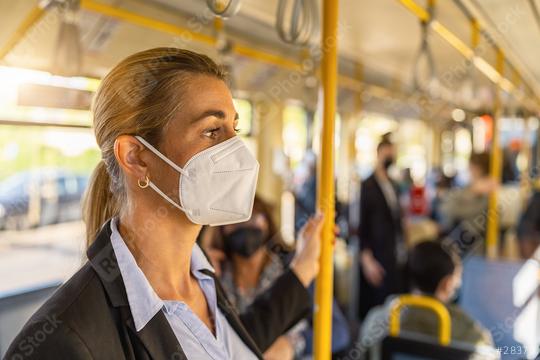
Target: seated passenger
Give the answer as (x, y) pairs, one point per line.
(253, 255)
(436, 273)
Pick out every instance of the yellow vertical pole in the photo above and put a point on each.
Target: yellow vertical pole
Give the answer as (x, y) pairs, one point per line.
(325, 189)
(475, 34)
(526, 152)
(492, 230)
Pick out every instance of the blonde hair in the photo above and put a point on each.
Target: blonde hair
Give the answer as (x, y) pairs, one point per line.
(139, 96)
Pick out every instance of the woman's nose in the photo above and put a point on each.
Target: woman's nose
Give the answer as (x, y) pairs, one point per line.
(230, 133)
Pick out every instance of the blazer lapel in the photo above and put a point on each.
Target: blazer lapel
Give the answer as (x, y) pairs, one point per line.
(158, 338)
(232, 318)
(103, 260)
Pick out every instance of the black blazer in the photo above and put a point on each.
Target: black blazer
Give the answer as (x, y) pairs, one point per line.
(380, 227)
(89, 316)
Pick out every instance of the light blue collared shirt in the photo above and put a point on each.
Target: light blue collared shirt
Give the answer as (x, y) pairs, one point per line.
(196, 340)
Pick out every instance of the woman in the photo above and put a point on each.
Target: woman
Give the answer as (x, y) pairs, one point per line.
(165, 123)
(250, 256)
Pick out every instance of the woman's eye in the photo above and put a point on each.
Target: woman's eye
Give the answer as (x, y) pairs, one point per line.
(212, 133)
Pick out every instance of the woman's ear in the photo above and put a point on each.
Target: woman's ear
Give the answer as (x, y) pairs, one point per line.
(129, 154)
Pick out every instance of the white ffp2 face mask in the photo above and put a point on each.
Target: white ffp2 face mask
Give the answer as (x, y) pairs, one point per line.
(217, 185)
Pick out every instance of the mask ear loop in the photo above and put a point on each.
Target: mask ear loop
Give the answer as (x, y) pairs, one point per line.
(163, 157)
(156, 189)
(173, 165)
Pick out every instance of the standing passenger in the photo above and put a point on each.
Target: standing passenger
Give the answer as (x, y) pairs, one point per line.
(165, 122)
(465, 210)
(381, 233)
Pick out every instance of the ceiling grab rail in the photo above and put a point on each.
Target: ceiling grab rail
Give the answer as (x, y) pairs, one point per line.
(67, 58)
(224, 47)
(223, 8)
(432, 85)
(304, 23)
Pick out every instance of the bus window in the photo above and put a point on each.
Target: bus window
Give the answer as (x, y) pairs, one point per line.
(295, 134)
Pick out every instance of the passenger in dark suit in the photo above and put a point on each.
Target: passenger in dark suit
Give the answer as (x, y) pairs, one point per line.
(381, 233)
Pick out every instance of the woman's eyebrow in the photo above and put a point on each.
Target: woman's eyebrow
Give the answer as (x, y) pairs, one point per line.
(216, 113)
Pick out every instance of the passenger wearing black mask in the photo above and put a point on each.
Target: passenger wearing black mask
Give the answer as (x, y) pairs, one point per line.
(249, 257)
(381, 233)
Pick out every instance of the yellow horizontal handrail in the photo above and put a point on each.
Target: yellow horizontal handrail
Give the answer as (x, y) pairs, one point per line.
(482, 65)
(416, 9)
(33, 16)
(344, 81)
(174, 29)
(445, 324)
(144, 21)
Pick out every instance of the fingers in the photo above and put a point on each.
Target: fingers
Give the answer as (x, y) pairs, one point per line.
(317, 221)
(313, 225)
(307, 230)
(374, 272)
(376, 277)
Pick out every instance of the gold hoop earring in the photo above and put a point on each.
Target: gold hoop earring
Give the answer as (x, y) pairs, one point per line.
(145, 184)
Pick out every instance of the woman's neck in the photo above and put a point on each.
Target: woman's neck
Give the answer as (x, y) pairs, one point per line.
(246, 271)
(162, 246)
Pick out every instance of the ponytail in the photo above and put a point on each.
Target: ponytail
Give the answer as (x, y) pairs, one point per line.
(139, 96)
(99, 203)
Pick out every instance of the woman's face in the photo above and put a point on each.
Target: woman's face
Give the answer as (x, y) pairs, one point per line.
(206, 118)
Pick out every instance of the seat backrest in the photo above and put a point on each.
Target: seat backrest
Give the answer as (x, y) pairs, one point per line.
(403, 301)
(406, 345)
(407, 348)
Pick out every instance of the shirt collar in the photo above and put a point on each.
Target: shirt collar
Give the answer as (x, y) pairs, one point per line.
(143, 301)
(199, 261)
